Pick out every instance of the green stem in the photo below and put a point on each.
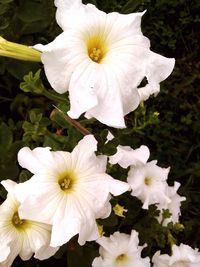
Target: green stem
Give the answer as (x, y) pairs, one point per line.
(73, 122)
(53, 96)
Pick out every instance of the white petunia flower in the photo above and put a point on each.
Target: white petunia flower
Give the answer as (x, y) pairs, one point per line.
(101, 60)
(148, 183)
(182, 256)
(23, 237)
(127, 156)
(68, 190)
(120, 250)
(173, 206)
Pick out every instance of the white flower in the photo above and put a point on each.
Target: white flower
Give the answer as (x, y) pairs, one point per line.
(182, 256)
(19, 236)
(68, 190)
(148, 183)
(101, 59)
(173, 206)
(127, 156)
(120, 250)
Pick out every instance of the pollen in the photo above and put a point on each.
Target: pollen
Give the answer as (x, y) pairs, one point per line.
(121, 258)
(148, 181)
(96, 54)
(66, 181)
(96, 48)
(17, 222)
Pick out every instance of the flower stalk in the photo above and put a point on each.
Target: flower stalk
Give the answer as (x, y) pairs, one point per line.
(18, 51)
(73, 122)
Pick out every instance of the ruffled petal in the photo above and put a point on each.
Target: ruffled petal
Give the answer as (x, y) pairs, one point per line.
(41, 160)
(72, 14)
(126, 156)
(61, 57)
(158, 68)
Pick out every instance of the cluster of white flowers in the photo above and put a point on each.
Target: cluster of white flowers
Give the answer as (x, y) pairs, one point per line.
(122, 250)
(63, 198)
(101, 59)
(148, 181)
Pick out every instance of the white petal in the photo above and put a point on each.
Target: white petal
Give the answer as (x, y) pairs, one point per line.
(15, 248)
(127, 156)
(61, 57)
(109, 92)
(45, 252)
(158, 68)
(97, 262)
(66, 222)
(26, 251)
(84, 152)
(8, 185)
(34, 160)
(41, 160)
(5, 251)
(72, 14)
(82, 88)
(39, 238)
(48, 199)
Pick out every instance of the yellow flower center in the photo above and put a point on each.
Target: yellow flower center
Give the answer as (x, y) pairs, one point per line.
(96, 48)
(121, 258)
(66, 181)
(17, 222)
(148, 181)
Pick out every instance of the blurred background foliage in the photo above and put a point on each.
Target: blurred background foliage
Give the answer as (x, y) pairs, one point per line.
(168, 124)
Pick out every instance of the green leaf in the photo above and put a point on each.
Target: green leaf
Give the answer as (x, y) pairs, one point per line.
(32, 83)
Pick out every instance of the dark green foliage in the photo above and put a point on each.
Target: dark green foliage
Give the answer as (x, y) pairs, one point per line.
(29, 116)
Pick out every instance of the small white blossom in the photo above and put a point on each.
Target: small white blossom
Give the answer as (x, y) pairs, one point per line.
(120, 250)
(147, 179)
(148, 183)
(173, 206)
(68, 190)
(182, 256)
(101, 60)
(21, 237)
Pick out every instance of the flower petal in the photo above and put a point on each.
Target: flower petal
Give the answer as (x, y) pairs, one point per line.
(158, 68)
(5, 251)
(82, 88)
(127, 156)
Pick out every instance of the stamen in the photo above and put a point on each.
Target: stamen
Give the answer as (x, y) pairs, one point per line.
(65, 183)
(17, 222)
(121, 257)
(67, 180)
(96, 54)
(148, 181)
